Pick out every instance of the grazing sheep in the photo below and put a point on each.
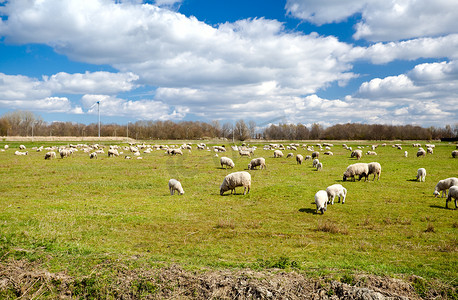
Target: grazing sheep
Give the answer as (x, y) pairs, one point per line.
(114, 152)
(429, 150)
(257, 162)
(319, 166)
(374, 168)
(452, 193)
(177, 152)
(299, 159)
(289, 155)
(22, 147)
(234, 180)
(454, 153)
(443, 185)
(421, 174)
(226, 161)
(371, 153)
(421, 152)
(307, 157)
(315, 162)
(93, 155)
(357, 153)
(406, 153)
(175, 185)
(244, 153)
(6, 147)
(328, 153)
(50, 155)
(278, 153)
(336, 190)
(315, 154)
(65, 153)
(321, 201)
(360, 169)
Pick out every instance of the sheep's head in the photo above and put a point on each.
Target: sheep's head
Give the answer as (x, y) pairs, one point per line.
(436, 193)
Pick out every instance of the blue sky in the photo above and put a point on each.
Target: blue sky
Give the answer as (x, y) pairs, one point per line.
(297, 61)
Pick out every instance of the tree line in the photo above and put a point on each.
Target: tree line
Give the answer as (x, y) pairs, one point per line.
(25, 123)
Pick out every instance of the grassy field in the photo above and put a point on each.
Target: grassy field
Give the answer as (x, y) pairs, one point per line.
(73, 214)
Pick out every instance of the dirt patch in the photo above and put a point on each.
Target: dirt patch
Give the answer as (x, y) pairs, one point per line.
(28, 280)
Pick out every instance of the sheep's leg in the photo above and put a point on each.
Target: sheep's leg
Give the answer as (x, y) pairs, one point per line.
(456, 206)
(171, 191)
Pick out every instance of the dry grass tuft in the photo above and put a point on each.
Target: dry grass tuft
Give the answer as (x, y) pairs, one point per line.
(430, 228)
(332, 227)
(225, 224)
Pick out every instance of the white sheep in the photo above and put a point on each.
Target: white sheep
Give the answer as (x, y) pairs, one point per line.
(93, 155)
(315, 162)
(21, 153)
(336, 190)
(319, 166)
(6, 147)
(328, 153)
(357, 153)
(421, 174)
(289, 155)
(360, 169)
(371, 153)
(429, 150)
(50, 155)
(406, 153)
(234, 180)
(421, 152)
(452, 193)
(316, 154)
(257, 162)
(175, 185)
(65, 153)
(22, 147)
(321, 201)
(113, 152)
(374, 168)
(226, 161)
(278, 153)
(299, 159)
(244, 153)
(443, 185)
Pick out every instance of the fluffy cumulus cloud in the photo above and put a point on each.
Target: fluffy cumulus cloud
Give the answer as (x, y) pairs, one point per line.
(383, 20)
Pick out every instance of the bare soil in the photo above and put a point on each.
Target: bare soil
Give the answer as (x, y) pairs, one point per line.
(28, 280)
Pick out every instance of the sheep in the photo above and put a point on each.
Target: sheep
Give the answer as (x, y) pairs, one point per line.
(289, 155)
(244, 153)
(175, 185)
(278, 153)
(114, 152)
(315, 162)
(6, 147)
(360, 169)
(21, 153)
(421, 152)
(336, 190)
(226, 161)
(374, 168)
(321, 201)
(299, 159)
(371, 153)
(357, 153)
(452, 193)
(315, 154)
(421, 174)
(93, 155)
(307, 157)
(176, 152)
(328, 153)
(429, 150)
(22, 147)
(50, 155)
(260, 161)
(319, 166)
(454, 153)
(65, 153)
(234, 180)
(443, 185)
(406, 153)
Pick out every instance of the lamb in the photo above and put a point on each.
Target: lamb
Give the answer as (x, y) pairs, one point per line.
(443, 185)
(315, 162)
(299, 159)
(357, 153)
(421, 174)
(421, 152)
(175, 185)
(371, 153)
(454, 153)
(319, 166)
(226, 161)
(278, 153)
(452, 193)
(260, 161)
(360, 169)
(374, 168)
(336, 190)
(321, 201)
(234, 180)
(50, 155)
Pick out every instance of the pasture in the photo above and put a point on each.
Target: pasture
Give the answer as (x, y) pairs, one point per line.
(73, 214)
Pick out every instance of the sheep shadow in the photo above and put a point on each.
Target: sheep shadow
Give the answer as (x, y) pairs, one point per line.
(442, 207)
(308, 210)
(414, 180)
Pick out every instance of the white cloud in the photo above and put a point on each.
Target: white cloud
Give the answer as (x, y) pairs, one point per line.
(383, 20)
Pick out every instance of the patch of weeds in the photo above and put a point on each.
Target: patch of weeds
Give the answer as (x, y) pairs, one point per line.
(430, 228)
(447, 247)
(88, 288)
(427, 219)
(223, 224)
(282, 262)
(332, 227)
(348, 279)
(143, 287)
(455, 225)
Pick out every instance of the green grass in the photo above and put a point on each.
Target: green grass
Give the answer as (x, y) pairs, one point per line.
(72, 214)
